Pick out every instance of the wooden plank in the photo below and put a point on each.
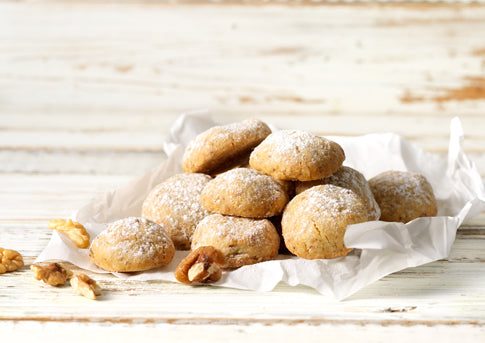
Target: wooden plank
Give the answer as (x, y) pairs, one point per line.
(317, 60)
(78, 161)
(128, 332)
(50, 196)
(430, 132)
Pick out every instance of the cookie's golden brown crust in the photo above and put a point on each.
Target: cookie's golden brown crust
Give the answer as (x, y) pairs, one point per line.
(175, 203)
(244, 192)
(241, 241)
(315, 221)
(349, 178)
(132, 244)
(221, 147)
(403, 196)
(297, 155)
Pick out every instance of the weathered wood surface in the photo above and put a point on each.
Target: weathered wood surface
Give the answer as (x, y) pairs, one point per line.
(86, 82)
(89, 90)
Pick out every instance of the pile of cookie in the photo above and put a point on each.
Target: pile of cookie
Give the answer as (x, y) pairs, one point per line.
(247, 194)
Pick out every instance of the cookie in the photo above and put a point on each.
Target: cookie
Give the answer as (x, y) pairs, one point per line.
(403, 196)
(222, 147)
(132, 244)
(175, 203)
(297, 155)
(241, 241)
(315, 221)
(352, 179)
(244, 192)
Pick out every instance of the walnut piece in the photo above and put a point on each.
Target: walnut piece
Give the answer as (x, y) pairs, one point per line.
(85, 286)
(55, 274)
(201, 266)
(10, 260)
(74, 230)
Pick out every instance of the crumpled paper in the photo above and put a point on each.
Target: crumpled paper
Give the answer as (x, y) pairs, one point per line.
(381, 248)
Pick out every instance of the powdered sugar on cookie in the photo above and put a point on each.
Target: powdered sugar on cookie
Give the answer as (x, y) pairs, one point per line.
(352, 179)
(210, 151)
(240, 240)
(403, 196)
(132, 244)
(314, 222)
(176, 204)
(244, 192)
(297, 155)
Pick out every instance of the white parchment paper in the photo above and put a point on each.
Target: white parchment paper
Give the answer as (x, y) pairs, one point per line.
(381, 248)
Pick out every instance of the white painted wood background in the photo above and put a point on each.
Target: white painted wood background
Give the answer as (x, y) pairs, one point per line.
(89, 90)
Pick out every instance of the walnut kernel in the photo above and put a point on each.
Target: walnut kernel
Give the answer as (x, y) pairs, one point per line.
(85, 286)
(10, 260)
(201, 265)
(55, 274)
(74, 230)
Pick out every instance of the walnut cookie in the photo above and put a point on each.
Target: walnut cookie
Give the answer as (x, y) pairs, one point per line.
(241, 241)
(175, 204)
(132, 244)
(315, 221)
(244, 192)
(403, 196)
(352, 179)
(297, 155)
(222, 147)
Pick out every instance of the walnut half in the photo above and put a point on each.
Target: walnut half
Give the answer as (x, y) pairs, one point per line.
(85, 286)
(201, 266)
(10, 260)
(74, 230)
(55, 274)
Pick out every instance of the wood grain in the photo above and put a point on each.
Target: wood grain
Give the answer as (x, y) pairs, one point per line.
(78, 95)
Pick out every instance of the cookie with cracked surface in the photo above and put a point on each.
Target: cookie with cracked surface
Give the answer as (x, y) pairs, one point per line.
(244, 192)
(315, 221)
(241, 241)
(297, 155)
(403, 196)
(175, 203)
(132, 244)
(222, 147)
(352, 179)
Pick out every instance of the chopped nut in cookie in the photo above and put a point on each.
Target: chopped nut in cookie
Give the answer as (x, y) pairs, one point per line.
(10, 260)
(74, 230)
(55, 274)
(85, 286)
(200, 266)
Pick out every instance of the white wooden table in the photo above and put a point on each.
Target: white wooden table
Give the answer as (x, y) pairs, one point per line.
(88, 92)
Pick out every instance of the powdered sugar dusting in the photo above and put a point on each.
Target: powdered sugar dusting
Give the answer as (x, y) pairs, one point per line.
(211, 148)
(176, 203)
(234, 229)
(248, 185)
(136, 237)
(333, 201)
(326, 203)
(233, 131)
(297, 155)
(292, 143)
(401, 183)
(354, 180)
(403, 196)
